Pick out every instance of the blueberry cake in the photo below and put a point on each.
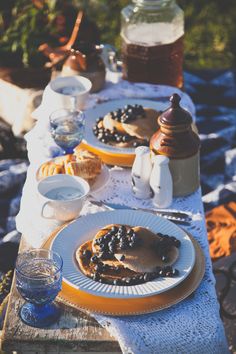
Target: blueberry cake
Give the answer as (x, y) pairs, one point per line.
(130, 126)
(126, 255)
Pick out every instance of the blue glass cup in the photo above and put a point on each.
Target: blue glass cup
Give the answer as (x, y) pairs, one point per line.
(39, 280)
(67, 128)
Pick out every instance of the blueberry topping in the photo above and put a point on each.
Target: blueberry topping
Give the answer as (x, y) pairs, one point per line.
(96, 276)
(105, 267)
(111, 243)
(123, 116)
(103, 247)
(175, 272)
(116, 282)
(164, 259)
(168, 269)
(128, 280)
(144, 143)
(134, 236)
(94, 259)
(117, 269)
(161, 272)
(112, 249)
(119, 236)
(107, 236)
(123, 245)
(177, 243)
(99, 267)
(147, 277)
(114, 229)
(87, 254)
(122, 228)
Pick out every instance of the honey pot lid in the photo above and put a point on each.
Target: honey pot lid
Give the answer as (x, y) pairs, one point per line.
(175, 114)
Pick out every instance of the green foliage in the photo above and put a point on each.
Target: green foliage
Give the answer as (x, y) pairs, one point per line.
(30, 25)
(210, 38)
(210, 33)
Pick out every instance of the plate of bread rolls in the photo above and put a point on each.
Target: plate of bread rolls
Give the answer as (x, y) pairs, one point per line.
(82, 163)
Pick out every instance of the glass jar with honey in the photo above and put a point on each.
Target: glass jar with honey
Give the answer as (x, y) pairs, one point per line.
(152, 34)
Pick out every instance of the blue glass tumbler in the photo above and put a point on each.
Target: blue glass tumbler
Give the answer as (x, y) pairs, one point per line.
(67, 128)
(39, 280)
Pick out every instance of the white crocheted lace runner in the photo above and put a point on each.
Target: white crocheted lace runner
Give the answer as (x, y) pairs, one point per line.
(193, 325)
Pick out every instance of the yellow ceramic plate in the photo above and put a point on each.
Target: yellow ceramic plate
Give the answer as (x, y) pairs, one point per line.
(124, 307)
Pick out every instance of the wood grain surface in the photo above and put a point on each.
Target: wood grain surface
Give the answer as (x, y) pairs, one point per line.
(75, 332)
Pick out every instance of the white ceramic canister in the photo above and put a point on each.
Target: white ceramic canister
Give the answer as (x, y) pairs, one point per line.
(70, 92)
(161, 182)
(141, 171)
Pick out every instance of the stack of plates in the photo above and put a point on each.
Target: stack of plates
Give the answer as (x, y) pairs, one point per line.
(84, 293)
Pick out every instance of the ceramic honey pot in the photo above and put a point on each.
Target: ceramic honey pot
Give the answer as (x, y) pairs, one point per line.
(176, 140)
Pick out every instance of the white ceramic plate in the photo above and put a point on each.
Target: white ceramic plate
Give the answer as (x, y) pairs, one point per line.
(100, 182)
(102, 109)
(83, 229)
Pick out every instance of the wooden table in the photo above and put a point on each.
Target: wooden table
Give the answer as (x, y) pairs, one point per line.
(75, 332)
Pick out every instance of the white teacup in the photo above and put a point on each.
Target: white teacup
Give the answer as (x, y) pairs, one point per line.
(62, 196)
(70, 92)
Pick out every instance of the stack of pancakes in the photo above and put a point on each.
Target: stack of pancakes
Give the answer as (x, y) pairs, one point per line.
(125, 255)
(130, 126)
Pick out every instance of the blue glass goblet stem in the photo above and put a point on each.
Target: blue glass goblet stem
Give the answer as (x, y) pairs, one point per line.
(67, 128)
(38, 280)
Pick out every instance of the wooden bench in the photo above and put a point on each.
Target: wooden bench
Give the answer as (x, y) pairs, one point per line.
(75, 332)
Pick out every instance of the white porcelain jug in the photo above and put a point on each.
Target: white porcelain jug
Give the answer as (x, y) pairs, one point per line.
(141, 171)
(161, 182)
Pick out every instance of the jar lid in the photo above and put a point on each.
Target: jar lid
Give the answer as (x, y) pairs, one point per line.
(175, 115)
